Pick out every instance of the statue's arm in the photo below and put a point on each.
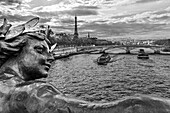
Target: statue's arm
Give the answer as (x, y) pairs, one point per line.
(47, 99)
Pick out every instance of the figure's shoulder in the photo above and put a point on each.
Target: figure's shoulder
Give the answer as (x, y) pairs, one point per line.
(40, 87)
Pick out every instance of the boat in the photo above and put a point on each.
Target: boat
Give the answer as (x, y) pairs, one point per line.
(103, 59)
(142, 54)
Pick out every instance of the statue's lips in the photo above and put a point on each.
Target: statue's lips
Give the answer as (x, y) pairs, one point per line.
(47, 65)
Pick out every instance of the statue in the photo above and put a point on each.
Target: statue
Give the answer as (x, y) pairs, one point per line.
(26, 56)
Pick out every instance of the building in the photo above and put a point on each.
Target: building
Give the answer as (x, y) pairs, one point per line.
(103, 42)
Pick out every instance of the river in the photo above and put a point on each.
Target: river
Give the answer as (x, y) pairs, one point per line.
(79, 76)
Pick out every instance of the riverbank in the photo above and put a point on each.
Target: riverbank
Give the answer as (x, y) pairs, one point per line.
(70, 51)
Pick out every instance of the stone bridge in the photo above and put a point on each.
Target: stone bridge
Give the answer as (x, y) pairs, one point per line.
(128, 48)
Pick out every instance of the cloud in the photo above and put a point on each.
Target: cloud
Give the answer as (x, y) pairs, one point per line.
(17, 18)
(151, 17)
(80, 12)
(146, 1)
(117, 2)
(45, 20)
(66, 9)
(67, 21)
(47, 14)
(86, 7)
(103, 18)
(10, 2)
(124, 30)
(167, 9)
(86, 2)
(161, 16)
(122, 16)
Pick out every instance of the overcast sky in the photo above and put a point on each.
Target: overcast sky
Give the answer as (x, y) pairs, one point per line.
(139, 19)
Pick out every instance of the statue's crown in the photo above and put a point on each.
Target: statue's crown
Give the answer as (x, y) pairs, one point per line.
(9, 32)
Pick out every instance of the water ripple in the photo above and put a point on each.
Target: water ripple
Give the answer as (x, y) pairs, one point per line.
(80, 77)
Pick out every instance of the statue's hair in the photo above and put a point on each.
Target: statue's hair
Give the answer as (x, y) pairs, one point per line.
(11, 48)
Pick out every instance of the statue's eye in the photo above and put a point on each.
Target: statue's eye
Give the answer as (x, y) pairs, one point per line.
(39, 49)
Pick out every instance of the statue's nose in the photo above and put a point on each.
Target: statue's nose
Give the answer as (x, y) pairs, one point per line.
(50, 58)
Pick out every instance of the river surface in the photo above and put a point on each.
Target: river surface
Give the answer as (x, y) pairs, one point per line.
(81, 77)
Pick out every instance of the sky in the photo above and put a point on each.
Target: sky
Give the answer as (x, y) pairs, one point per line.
(104, 19)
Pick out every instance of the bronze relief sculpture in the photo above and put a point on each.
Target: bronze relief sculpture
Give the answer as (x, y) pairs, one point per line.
(25, 57)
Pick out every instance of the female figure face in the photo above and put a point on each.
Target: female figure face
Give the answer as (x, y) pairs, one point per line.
(35, 60)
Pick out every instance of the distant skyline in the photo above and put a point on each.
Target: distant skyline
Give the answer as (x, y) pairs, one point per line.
(108, 19)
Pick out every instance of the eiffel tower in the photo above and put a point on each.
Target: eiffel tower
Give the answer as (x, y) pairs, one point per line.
(75, 29)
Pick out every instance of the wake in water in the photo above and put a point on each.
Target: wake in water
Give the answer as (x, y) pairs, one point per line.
(114, 58)
(146, 62)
